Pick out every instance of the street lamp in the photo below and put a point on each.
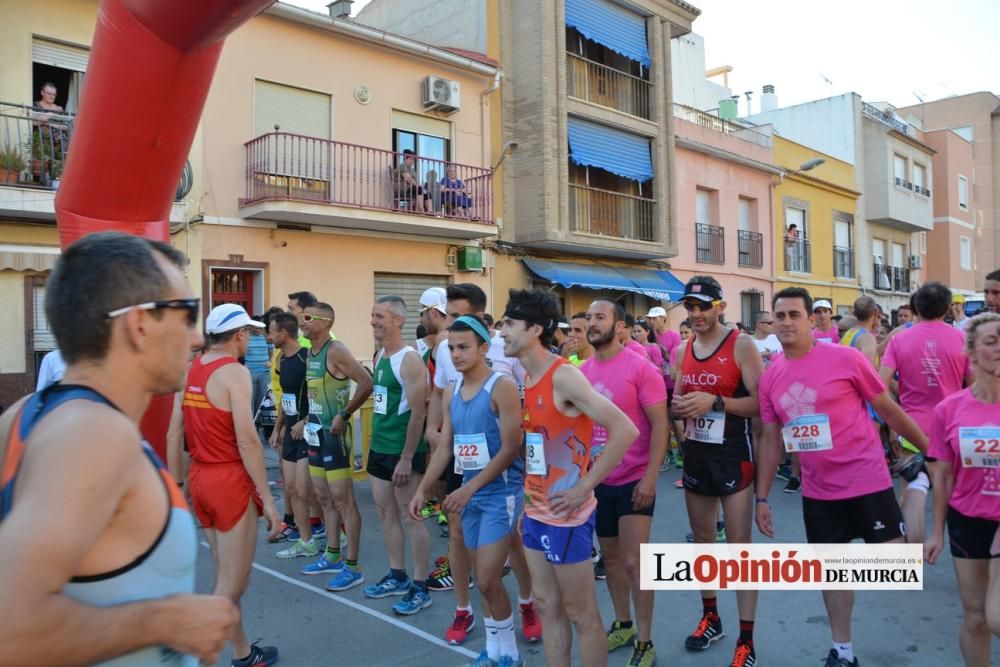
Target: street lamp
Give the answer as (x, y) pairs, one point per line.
(811, 164)
(508, 149)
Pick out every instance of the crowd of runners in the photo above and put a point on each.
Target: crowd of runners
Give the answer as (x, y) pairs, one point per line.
(534, 438)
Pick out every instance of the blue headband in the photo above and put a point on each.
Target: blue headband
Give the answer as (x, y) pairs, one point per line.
(476, 327)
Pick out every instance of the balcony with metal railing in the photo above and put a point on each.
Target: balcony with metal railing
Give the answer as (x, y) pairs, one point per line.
(751, 249)
(798, 256)
(33, 145)
(615, 214)
(843, 262)
(744, 132)
(710, 243)
(311, 181)
(891, 278)
(609, 87)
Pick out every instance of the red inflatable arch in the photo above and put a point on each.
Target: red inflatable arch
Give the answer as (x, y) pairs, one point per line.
(151, 66)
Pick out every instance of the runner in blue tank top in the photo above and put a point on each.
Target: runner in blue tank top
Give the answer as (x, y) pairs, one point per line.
(482, 422)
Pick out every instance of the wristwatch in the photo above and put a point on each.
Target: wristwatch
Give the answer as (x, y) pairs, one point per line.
(719, 405)
(344, 414)
(758, 501)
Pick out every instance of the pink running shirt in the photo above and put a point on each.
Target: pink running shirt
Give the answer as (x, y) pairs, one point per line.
(631, 383)
(830, 336)
(931, 362)
(836, 381)
(669, 340)
(655, 355)
(977, 490)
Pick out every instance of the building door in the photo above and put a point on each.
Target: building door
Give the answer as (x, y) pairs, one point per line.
(409, 287)
(230, 286)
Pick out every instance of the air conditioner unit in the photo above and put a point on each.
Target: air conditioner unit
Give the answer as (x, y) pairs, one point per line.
(441, 94)
(916, 261)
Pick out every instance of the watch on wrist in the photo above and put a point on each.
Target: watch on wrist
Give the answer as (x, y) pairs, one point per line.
(758, 501)
(719, 405)
(344, 414)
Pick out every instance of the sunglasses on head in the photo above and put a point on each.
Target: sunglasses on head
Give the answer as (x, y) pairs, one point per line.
(190, 306)
(698, 304)
(309, 317)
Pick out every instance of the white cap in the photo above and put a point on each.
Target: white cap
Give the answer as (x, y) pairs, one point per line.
(656, 312)
(822, 303)
(227, 317)
(434, 297)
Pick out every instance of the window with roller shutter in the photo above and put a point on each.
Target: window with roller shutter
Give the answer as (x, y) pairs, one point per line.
(409, 288)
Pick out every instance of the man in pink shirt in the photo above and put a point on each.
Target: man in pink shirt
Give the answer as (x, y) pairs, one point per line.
(929, 363)
(815, 394)
(825, 330)
(626, 497)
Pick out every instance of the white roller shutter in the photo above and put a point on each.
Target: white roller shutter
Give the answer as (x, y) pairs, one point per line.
(57, 54)
(41, 333)
(409, 287)
(295, 110)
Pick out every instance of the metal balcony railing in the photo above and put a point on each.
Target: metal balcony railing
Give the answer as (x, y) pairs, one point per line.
(280, 165)
(607, 86)
(711, 244)
(891, 278)
(729, 127)
(886, 118)
(798, 255)
(843, 262)
(33, 145)
(751, 249)
(608, 213)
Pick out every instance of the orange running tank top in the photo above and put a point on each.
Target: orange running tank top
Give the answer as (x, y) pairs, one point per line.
(557, 453)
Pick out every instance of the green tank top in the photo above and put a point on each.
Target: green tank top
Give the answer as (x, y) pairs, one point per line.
(391, 414)
(328, 394)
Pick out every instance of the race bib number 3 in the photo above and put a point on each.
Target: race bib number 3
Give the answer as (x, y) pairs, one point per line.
(535, 454)
(979, 446)
(710, 427)
(381, 396)
(471, 451)
(808, 433)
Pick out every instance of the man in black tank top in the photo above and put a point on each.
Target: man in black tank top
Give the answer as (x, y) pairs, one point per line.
(283, 332)
(124, 318)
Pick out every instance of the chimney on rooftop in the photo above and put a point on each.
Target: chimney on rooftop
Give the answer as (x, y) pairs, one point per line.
(768, 100)
(341, 9)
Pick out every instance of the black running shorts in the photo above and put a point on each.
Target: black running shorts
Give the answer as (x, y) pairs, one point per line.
(970, 537)
(614, 502)
(381, 466)
(874, 517)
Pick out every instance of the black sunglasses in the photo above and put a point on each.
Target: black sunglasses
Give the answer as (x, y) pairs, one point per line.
(191, 307)
(699, 304)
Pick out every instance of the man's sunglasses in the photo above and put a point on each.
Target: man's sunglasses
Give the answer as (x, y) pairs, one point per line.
(698, 304)
(308, 317)
(190, 306)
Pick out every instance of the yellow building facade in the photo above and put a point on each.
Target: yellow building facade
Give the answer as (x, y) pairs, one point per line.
(820, 252)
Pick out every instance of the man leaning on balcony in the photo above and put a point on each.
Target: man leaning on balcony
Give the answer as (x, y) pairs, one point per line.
(408, 188)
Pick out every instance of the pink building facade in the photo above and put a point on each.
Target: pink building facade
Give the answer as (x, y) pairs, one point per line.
(951, 245)
(725, 180)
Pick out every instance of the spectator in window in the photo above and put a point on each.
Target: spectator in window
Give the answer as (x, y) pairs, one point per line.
(792, 234)
(47, 98)
(453, 192)
(409, 183)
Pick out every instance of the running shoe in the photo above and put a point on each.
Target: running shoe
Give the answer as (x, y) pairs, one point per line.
(833, 659)
(413, 601)
(531, 624)
(324, 566)
(298, 549)
(709, 630)
(507, 661)
(286, 533)
(319, 531)
(619, 636)
(441, 560)
(432, 508)
(793, 486)
(441, 580)
(347, 578)
(483, 661)
(679, 461)
(720, 534)
(679, 484)
(665, 466)
(461, 625)
(259, 655)
(744, 655)
(388, 586)
(784, 472)
(443, 524)
(599, 571)
(643, 654)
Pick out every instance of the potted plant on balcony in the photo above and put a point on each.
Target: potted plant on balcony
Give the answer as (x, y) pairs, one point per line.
(11, 164)
(47, 149)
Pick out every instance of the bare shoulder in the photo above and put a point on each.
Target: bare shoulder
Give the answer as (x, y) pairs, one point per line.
(93, 437)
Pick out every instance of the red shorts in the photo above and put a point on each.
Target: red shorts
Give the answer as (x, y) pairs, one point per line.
(220, 493)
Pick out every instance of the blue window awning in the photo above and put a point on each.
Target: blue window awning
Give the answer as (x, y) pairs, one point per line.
(621, 153)
(660, 285)
(610, 25)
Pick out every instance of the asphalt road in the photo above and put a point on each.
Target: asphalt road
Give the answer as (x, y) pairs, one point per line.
(313, 627)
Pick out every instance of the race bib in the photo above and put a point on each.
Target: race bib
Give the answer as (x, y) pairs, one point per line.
(311, 434)
(315, 408)
(710, 427)
(381, 399)
(808, 433)
(288, 405)
(471, 451)
(535, 454)
(979, 446)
